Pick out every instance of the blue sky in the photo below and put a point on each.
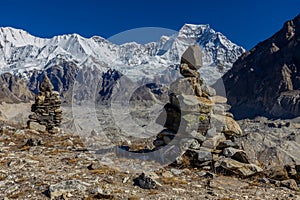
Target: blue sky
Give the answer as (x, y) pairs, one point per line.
(245, 22)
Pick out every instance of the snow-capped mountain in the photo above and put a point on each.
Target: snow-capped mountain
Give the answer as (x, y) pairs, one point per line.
(64, 58)
(21, 52)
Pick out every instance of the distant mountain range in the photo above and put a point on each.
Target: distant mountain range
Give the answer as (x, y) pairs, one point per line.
(266, 80)
(25, 57)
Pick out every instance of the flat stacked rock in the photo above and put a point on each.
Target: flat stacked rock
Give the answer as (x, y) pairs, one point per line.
(47, 114)
(197, 123)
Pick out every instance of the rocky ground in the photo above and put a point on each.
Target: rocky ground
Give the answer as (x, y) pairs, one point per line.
(37, 165)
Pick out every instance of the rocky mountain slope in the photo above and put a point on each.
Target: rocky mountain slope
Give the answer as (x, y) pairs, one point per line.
(266, 80)
(24, 56)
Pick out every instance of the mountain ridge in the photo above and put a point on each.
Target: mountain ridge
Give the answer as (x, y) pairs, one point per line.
(73, 46)
(22, 54)
(266, 80)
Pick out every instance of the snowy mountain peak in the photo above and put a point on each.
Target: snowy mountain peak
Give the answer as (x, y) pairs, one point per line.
(18, 37)
(194, 27)
(21, 52)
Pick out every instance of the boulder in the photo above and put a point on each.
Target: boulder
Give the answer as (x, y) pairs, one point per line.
(186, 71)
(36, 126)
(198, 136)
(193, 122)
(232, 127)
(213, 142)
(227, 143)
(290, 183)
(204, 154)
(233, 166)
(236, 154)
(145, 181)
(193, 57)
(209, 91)
(187, 86)
(56, 190)
(192, 103)
(226, 125)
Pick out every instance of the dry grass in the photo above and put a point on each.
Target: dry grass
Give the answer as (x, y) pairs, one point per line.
(25, 148)
(104, 170)
(50, 172)
(20, 180)
(3, 177)
(17, 195)
(57, 151)
(133, 198)
(3, 162)
(153, 192)
(73, 160)
(173, 181)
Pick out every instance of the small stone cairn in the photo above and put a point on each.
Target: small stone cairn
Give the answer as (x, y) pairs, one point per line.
(197, 122)
(47, 114)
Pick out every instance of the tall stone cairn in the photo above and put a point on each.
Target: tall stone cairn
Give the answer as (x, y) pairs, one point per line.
(199, 124)
(47, 114)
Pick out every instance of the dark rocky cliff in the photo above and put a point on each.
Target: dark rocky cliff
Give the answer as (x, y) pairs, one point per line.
(266, 80)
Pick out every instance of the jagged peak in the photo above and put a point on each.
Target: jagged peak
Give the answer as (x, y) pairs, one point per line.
(19, 37)
(130, 44)
(195, 26)
(9, 29)
(74, 47)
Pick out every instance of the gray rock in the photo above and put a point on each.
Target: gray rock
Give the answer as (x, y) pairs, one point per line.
(193, 57)
(195, 145)
(185, 143)
(36, 126)
(186, 71)
(146, 182)
(213, 142)
(204, 154)
(198, 136)
(159, 143)
(192, 103)
(264, 180)
(236, 167)
(208, 90)
(276, 151)
(33, 142)
(211, 132)
(274, 182)
(206, 174)
(176, 171)
(192, 122)
(225, 125)
(99, 193)
(236, 154)
(227, 143)
(290, 183)
(217, 121)
(187, 86)
(61, 188)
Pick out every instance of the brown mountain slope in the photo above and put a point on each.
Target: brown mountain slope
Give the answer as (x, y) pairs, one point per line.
(13, 89)
(266, 80)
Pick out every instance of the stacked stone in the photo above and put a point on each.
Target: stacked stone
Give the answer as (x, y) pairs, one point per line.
(47, 114)
(197, 123)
